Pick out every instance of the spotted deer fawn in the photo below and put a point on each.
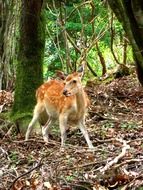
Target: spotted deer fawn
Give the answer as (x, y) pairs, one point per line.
(65, 101)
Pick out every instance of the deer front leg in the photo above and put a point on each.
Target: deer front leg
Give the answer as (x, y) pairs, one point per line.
(85, 133)
(63, 124)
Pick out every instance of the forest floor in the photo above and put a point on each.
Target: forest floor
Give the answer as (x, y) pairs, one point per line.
(115, 125)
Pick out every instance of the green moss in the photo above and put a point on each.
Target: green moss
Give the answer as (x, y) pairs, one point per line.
(29, 74)
(5, 115)
(21, 120)
(21, 116)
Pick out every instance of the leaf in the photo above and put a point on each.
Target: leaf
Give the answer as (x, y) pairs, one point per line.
(47, 184)
(18, 185)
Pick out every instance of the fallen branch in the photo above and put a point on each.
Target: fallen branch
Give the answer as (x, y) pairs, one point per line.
(51, 142)
(84, 165)
(103, 117)
(105, 141)
(117, 158)
(128, 162)
(34, 168)
(135, 140)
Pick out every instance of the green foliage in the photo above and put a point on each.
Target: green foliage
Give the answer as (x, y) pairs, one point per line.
(51, 60)
(14, 157)
(100, 17)
(30, 159)
(129, 126)
(72, 177)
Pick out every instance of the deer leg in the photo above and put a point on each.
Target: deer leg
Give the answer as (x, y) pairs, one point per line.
(45, 129)
(31, 124)
(85, 133)
(37, 111)
(63, 124)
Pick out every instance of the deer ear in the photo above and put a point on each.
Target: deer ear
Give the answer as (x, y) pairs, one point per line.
(60, 74)
(81, 71)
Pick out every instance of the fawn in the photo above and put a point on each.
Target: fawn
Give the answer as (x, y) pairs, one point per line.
(65, 101)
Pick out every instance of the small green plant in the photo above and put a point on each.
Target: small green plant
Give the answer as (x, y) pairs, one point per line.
(14, 157)
(72, 177)
(128, 125)
(140, 188)
(108, 125)
(30, 160)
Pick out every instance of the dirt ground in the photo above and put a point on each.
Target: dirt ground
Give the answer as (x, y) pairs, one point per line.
(115, 125)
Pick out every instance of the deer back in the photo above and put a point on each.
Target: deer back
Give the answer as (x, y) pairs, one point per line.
(50, 97)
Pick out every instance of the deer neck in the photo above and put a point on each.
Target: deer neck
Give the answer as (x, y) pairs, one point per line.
(80, 101)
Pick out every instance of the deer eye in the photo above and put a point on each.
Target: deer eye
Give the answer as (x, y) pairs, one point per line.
(74, 81)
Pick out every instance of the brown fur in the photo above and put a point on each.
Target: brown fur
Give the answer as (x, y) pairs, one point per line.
(66, 109)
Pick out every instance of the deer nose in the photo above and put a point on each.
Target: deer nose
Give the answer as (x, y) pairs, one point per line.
(65, 92)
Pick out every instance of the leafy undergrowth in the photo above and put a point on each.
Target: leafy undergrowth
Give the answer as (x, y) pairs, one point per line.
(115, 126)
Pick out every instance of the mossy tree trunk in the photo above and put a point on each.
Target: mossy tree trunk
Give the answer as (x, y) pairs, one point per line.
(130, 14)
(31, 52)
(3, 21)
(6, 45)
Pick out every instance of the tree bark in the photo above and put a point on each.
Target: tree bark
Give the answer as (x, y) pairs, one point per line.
(29, 73)
(6, 71)
(130, 14)
(101, 58)
(125, 44)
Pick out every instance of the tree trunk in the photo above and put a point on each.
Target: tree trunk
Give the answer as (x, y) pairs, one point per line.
(62, 21)
(5, 9)
(125, 44)
(130, 14)
(102, 60)
(9, 21)
(3, 22)
(31, 52)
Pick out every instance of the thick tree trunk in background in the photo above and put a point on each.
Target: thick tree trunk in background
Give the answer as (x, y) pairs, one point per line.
(31, 52)
(3, 20)
(130, 14)
(6, 8)
(9, 22)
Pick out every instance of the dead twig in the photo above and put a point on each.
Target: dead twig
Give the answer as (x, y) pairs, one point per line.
(128, 162)
(84, 165)
(37, 141)
(117, 158)
(105, 141)
(135, 140)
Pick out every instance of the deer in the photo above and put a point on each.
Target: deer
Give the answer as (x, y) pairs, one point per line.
(65, 101)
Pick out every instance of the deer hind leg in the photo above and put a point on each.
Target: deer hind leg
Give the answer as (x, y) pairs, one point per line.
(85, 133)
(45, 129)
(37, 110)
(63, 124)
